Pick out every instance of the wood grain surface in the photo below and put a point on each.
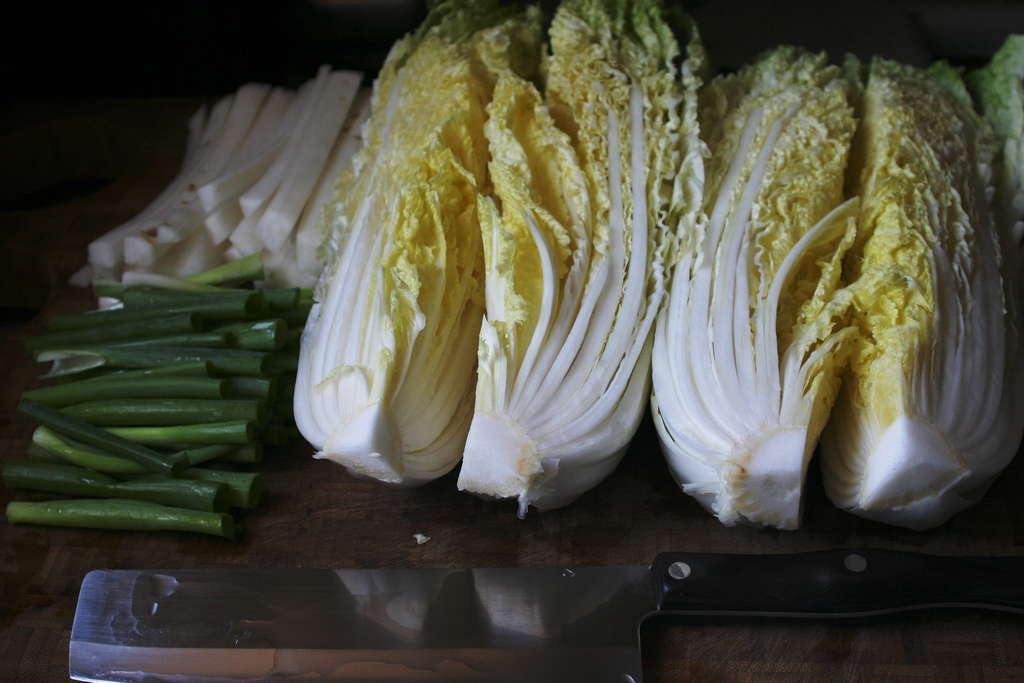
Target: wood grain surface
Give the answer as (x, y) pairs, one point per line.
(315, 515)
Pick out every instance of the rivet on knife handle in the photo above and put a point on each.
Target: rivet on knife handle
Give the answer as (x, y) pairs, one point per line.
(852, 583)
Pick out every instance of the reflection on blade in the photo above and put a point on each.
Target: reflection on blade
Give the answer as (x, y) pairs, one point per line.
(375, 625)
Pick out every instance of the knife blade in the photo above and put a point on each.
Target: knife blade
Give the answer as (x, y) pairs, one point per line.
(487, 624)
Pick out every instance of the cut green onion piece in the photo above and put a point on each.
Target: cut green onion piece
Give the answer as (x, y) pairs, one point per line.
(208, 340)
(184, 436)
(161, 412)
(48, 446)
(149, 297)
(235, 309)
(257, 388)
(101, 438)
(92, 336)
(141, 278)
(240, 270)
(108, 317)
(134, 515)
(259, 335)
(282, 299)
(201, 454)
(119, 386)
(248, 454)
(192, 493)
(186, 369)
(61, 477)
(107, 288)
(243, 489)
(224, 361)
(68, 450)
(231, 309)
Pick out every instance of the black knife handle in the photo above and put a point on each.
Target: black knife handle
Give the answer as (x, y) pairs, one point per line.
(852, 583)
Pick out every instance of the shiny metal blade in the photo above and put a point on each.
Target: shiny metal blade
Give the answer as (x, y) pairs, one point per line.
(579, 624)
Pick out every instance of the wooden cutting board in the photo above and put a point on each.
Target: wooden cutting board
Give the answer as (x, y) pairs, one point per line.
(315, 515)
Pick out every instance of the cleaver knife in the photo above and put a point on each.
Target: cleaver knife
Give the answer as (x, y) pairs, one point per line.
(509, 625)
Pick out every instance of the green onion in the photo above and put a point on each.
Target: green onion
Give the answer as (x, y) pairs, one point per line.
(191, 493)
(160, 412)
(243, 489)
(120, 386)
(48, 446)
(124, 316)
(259, 335)
(153, 297)
(230, 309)
(209, 340)
(282, 299)
(224, 361)
(93, 336)
(184, 436)
(184, 365)
(101, 438)
(136, 515)
(186, 369)
(238, 309)
(68, 450)
(107, 288)
(249, 454)
(233, 272)
(258, 388)
(201, 454)
(139, 278)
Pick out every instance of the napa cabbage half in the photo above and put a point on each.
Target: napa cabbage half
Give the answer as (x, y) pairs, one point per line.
(930, 409)
(749, 349)
(386, 370)
(590, 178)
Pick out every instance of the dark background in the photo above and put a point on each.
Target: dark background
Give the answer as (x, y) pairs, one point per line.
(55, 49)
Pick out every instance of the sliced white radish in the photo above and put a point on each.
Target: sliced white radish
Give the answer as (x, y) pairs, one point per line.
(308, 157)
